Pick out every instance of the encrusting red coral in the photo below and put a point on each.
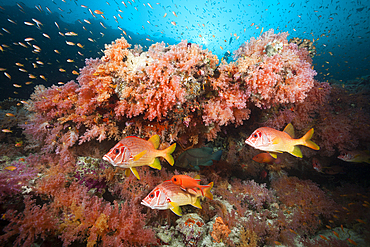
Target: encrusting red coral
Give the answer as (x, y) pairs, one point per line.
(220, 230)
(306, 200)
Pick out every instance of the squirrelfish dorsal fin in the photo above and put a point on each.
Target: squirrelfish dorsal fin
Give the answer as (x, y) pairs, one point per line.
(197, 177)
(155, 141)
(289, 129)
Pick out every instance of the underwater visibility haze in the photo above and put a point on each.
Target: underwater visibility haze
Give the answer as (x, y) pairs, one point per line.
(184, 123)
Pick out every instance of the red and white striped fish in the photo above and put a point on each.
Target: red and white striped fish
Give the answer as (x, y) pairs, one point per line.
(168, 195)
(132, 151)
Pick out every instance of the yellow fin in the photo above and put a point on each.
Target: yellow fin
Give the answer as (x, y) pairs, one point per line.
(197, 203)
(134, 171)
(176, 208)
(296, 152)
(197, 177)
(139, 155)
(127, 172)
(167, 154)
(306, 140)
(273, 155)
(155, 141)
(156, 164)
(289, 129)
(207, 191)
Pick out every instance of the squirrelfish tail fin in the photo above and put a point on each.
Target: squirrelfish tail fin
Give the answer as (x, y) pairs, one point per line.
(306, 140)
(167, 154)
(207, 191)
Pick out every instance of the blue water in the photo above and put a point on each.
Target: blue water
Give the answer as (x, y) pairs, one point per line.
(340, 30)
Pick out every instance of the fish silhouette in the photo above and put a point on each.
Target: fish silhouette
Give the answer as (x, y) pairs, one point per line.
(195, 157)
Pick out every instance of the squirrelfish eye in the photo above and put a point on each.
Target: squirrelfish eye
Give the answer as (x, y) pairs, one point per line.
(116, 151)
(255, 135)
(175, 179)
(151, 195)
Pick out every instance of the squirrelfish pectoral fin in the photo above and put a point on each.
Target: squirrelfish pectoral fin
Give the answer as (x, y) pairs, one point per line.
(197, 203)
(134, 171)
(273, 155)
(156, 164)
(127, 172)
(139, 155)
(155, 141)
(289, 129)
(275, 141)
(296, 152)
(176, 208)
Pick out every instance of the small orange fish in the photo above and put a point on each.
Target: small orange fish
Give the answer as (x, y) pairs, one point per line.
(11, 168)
(98, 12)
(323, 237)
(19, 144)
(361, 221)
(132, 151)
(266, 158)
(10, 115)
(336, 234)
(7, 75)
(71, 34)
(351, 241)
(275, 141)
(188, 183)
(6, 131)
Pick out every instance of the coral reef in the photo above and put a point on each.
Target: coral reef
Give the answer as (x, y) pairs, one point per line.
(177, 90)
(66, 195)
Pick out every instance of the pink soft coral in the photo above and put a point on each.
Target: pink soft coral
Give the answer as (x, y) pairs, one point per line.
(274, 71)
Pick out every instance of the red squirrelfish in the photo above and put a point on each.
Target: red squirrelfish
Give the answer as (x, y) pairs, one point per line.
(356, 156)
(316, 165)
(275, 141)
(188, 183)
(168, 195)
(132, 151)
